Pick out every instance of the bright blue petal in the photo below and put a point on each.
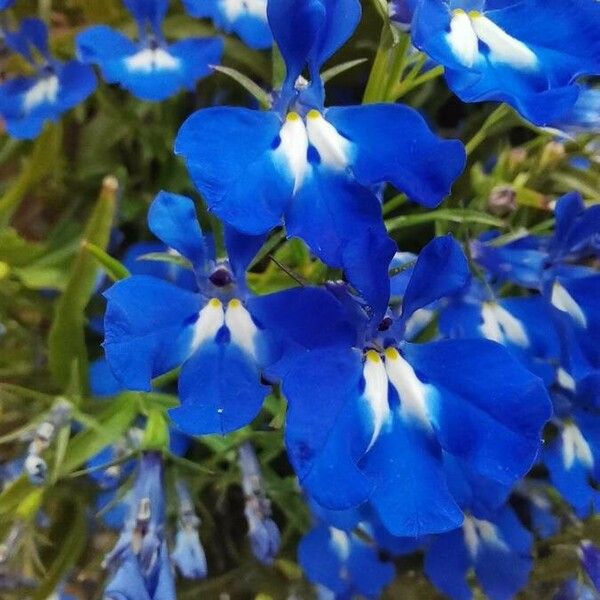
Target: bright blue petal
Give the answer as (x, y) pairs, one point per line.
(172, 218)
(249, 23)
(441, 270)
(491, 422)
(410, 495)
(241, 250)
(502, 565)
(326, 429)
(127, 583)
(197, 55)
(446, 564)
(4, 4)
(369, 573)
(324, 322)
(228, 154)
(31, 33)
(148, 11)
(220, 390)
(100, 43)
(147, 328)
(102, 381)
(392, 143)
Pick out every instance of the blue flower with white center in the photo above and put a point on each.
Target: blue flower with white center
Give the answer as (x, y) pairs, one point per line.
(27, 102)
(498, 548)
(150, 68)
(153, 326)
(139, 562)
(370, 415)
(315, 169)
(343, 563)
(573, 461)
(528, 54)
(246, 18)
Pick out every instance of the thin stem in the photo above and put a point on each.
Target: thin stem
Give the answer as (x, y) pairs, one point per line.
(493, 119)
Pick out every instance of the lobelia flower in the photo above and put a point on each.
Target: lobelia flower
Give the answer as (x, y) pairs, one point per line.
(369, 413)
(27, 102)
(262, 530)
(153, 326)
(188, 554)
(140, 564)
(150, 68)
(315, 168)
(246, 18)
(528, 54)
(343, 563)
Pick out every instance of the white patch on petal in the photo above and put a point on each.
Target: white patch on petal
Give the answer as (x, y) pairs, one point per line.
(210, 319)
(462, 39)
(334, 149)
(562, 300)
(477, 532)
(340, 542)
(500, 326)
(412, 392)
(376, 392)
(148, 60)
(293, 148)
(243, 330)
(233, 9)
(44, 91)
(565, 380)
(503, 47)
(574, 447)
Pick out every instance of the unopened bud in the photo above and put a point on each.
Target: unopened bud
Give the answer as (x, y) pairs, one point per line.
(502, 201)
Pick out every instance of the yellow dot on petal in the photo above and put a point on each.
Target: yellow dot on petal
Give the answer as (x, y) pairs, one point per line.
(313, 114)
(373, 356)
(234, 303)
(458, 11)
(215, 302)
(391, 353)
(474, 14)
(293, 116)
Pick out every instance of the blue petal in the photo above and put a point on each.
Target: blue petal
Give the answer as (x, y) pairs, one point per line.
(101, 43)
(493, 422)
(102, 381)
(392, 143)
(325, 431)
(250, 26)
(4, 4)
(172, 218)
(295, 25)
(446, 564)
(502, 566)
(32, 32)
(230, 394)
(590, 558)
(369, 573)
(227, 152)
(410, 495)
(241, 250)
(77, 81)
(441, 270)
(151, 11)
(147, 328)
(128, 583)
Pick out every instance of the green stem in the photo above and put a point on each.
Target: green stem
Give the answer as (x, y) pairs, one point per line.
(493, 119)
(393, 203)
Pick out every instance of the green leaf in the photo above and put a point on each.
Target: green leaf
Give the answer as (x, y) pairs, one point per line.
(455, 215)
(262, 97)
(329, 74)
(66, 342)
(156, 434)
(113, 422)
(174, 259)
(114, 268)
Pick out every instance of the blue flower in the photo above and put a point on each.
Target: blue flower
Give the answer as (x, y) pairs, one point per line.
(370, 415)
(55, 87)
(150, 69)
(4, 4)
(247, 18)
(528, 54)
(153, 326)
(498, 548)
(343, 563)
(315, 169)
(262, 530)
(140, 564)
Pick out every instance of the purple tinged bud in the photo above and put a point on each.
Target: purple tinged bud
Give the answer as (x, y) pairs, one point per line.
(262, 530)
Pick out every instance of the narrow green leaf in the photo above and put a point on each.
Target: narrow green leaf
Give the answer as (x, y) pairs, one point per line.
(262, 97)
(455, 215)
(66, 342)
(114, 268)
(174, 259)
(329, 74)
